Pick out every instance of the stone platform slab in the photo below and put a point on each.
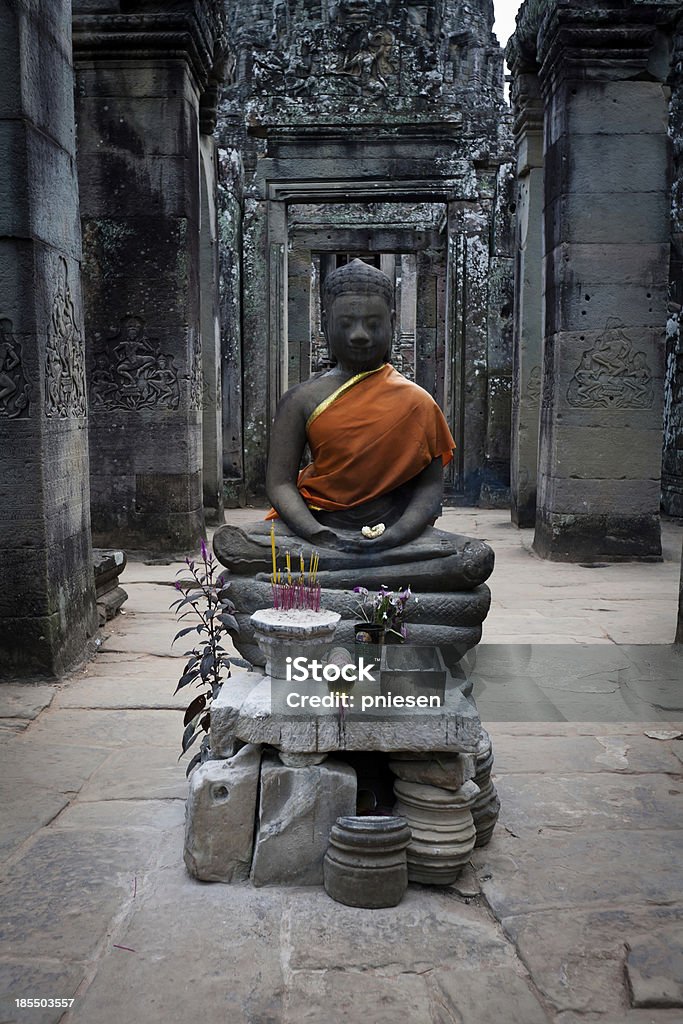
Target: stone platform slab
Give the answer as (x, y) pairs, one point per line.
(258, 713)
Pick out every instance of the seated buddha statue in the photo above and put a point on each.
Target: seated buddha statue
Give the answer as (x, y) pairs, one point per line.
(367, 500)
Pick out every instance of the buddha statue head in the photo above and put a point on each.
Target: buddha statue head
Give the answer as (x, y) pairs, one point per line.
(358, 316)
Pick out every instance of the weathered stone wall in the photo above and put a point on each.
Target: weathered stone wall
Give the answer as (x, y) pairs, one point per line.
(355, 111)
(145, 84)
(47, 599)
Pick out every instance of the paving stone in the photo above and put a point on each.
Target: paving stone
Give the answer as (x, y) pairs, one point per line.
(221, 810)
(61, 896)
(654, 967)
(613, 866)
(474, 997)
(559, 755)
(577, 956)
(104, 728)
(159, 815)
(297, 809)
(23, 763)
(572, 802)
(24, 700)
(204, 949)
(32, 978)
(22, 817)
(356, 997)
(145, 693)
(435, 929)
(139, 773)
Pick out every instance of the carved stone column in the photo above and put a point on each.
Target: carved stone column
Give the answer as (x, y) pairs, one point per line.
(212, 418)
(145, 86)
(47, 599)
(606, 276)
(299, 267)
(528, 304)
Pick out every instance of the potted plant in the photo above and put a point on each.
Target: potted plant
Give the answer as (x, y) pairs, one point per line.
(205, 600)
(383, 615)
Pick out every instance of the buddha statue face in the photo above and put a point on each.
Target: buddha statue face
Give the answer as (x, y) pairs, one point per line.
(359, 327)
(358, 317)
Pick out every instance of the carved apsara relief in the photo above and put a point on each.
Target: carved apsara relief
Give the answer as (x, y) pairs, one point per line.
(534, 384)
(612, 373)
(369, 60)
(14, 389)
(64, 355)
(134, 373)
(196, 375)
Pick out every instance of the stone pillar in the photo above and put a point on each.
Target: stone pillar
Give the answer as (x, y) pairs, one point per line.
(299, 267)
(606, 273)
(212, 417)
(264, 306)
(467, 314)
(528, 303)
(140, 81)
(679, 629)
(47, 600)
(406, 315)
(230, 267)
(672, 460)
(495, 486)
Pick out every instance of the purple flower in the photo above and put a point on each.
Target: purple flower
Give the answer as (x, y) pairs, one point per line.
(204, 552)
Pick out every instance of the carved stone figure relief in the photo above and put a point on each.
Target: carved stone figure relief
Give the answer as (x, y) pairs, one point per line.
(14, 390)
(196, 375)
(369, 62)
(134, 373)
(64, 355)
(612, 373)
(533, 387)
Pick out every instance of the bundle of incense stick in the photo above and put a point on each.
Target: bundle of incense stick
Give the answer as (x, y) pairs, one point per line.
(302, 592)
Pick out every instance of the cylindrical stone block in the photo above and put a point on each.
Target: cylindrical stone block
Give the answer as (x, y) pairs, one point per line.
(442, 827)
(365, 864)
(486, 807)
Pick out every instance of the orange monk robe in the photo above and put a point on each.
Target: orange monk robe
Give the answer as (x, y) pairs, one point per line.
(375, 433)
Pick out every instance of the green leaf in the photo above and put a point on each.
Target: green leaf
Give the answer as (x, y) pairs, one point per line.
(194, 707)
(193, 763)
(206, 665)
(189, 736)
(186, 679)
(206, 721)
(184, 632)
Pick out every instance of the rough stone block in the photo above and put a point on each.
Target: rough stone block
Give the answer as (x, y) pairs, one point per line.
(298, 808)
(442, 770)
(220, 815)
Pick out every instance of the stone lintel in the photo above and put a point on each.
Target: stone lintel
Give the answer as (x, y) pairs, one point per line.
(607, 43)
(195, 35)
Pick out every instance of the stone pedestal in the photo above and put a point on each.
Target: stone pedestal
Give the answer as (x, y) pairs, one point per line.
(298, 807)
(443, 833)
(47, 602)
(292, 634)
(141, 79)
(606, 274)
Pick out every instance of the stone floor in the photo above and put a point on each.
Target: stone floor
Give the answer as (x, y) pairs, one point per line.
(573, 913)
